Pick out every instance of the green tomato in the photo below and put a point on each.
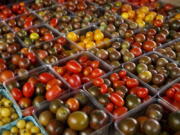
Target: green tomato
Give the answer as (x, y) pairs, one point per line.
(34, 36)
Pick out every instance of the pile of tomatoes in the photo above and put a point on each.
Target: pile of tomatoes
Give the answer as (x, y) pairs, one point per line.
(119, 93)
(172, 95)
(80, 71)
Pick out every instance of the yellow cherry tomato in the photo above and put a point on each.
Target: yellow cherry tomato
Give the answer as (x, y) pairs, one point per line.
(35, 130)
(131, 14)
(14, 130)
(97, 31)
(81, 44)
(98, 36)
(5, 112)
(141, 15)
(140, 23)
(86, 40)
(72, 36)
(89, 34)
(177, 16)
(125, 15)
(29, 125)
(82, 38)
(144, 9)
(21, 124)
(90, 45)
(6, 133)
(160, 17)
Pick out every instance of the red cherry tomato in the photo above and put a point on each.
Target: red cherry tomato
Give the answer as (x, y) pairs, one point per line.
(87, 71)
(122, 73)
(98, 81)
(136, 51)
(16, 93)
(176, 86)
(97, 73)
(170, 93)
(142, 92)
(95, 64)
(48, 37)
(176, 105)
(116, 99)
(32, 57)
(110, 107)
(33, 80)
(29, 111)
(54, 93)
(73, 66)
(28, 89)
(59, 70)
(53, 22)
(74, 81)
(158, 23)
(83, 59)
(103, 88)
(114, 77)
(120, 111)
(118, 83)
(42, 54)
(53, 82)
(132, 82)
(28, 24)
(25, 103)
(73, 104)
(61, 40)
(149, 45)
(133, 91)
(45, 77)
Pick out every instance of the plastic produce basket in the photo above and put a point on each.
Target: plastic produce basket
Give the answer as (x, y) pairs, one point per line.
(15, 106)
(44, 106)
(62, 62)
(150, 90)
(141, 111)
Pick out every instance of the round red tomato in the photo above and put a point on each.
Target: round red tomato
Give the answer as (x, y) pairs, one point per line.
(122, 73)
(87, 71)
(54, 93)
(98, 81)
(103, 88)
(136, 51)
(48, 37)
(32, 57)
(73, 104)
(53, 22)
(132, 82)
(53, 82)
(16, 93)
(97, 73)
(110, 107)
(142, 92)
(61, 40)
(95, 64)
(114, 77)
(149, 45)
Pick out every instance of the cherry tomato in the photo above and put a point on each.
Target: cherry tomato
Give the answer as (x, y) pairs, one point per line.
(29, 111)
(177, 96)
(133, 91)
(16, 93)
(149, 45)
(176, 86)
(103, 88)
(45, 77)
(32, 57)
(48, 37)
(73, 66)
(54, 22)
(25, 103)
(98, 81)
(118, 83)
(85, 79)
(74, 81)
(28, 89)
(33, 80)
(120, 111)
(54, 93)
(95, 64)
(73, 104)
(142, 92)
(28, 24)
(176, 104)
(114, 77)
(87, 71)
(42, 54)
(170, 93)
(136, 51)
(116, 99)
(59, 70)
(110, 107)
(53, 82)
(158, 23)
(132, 82)
(5, 75)
(61, 40)
(83, 59)
(122, 73)
(97, 73)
